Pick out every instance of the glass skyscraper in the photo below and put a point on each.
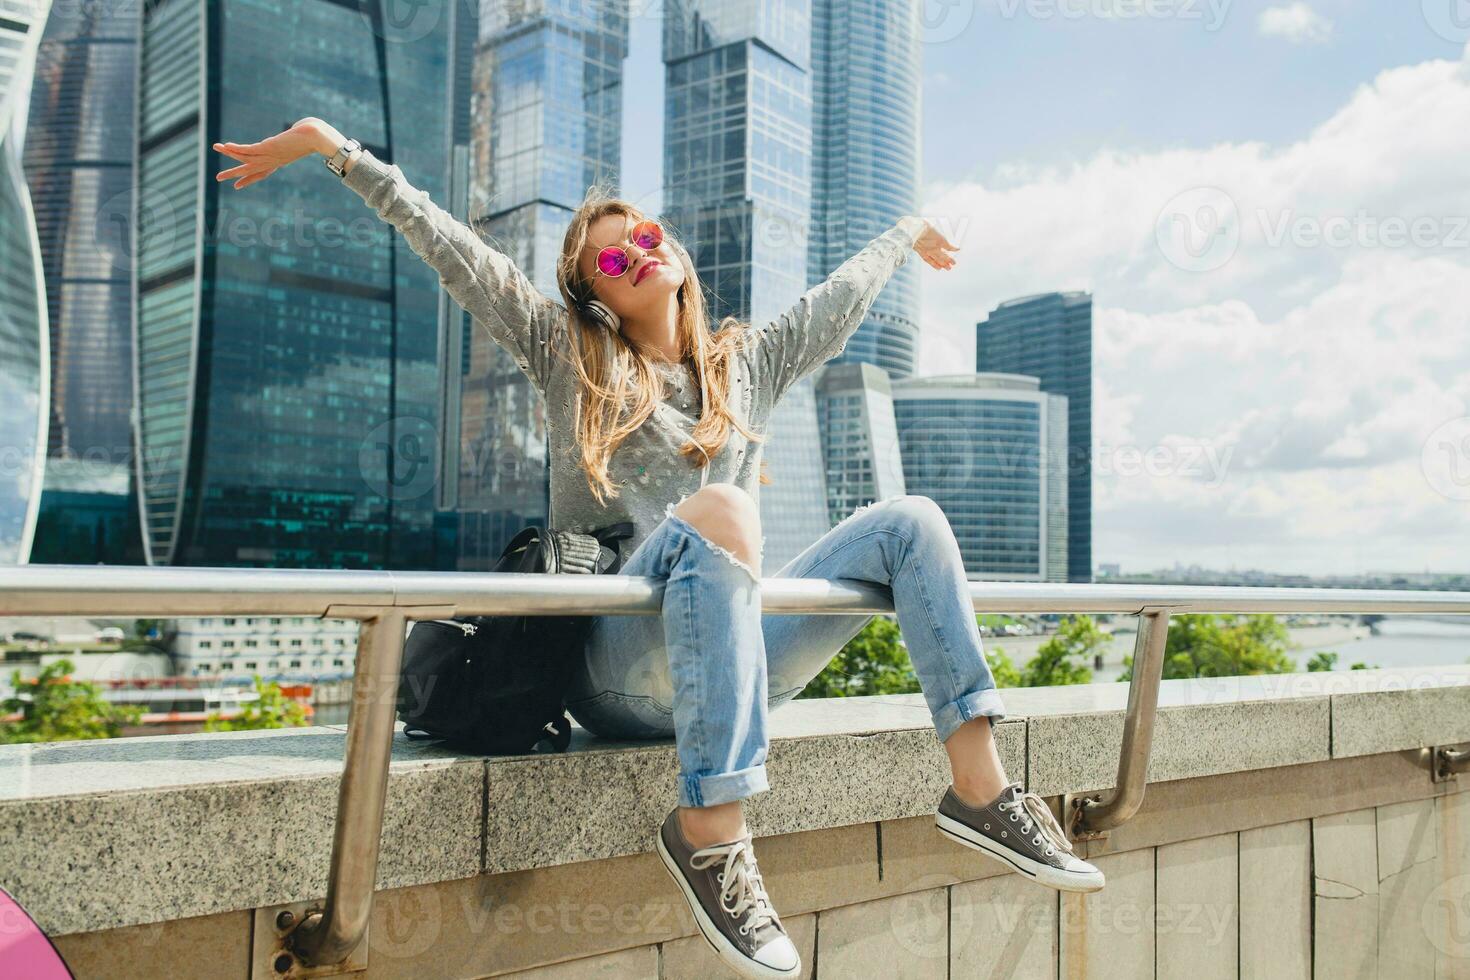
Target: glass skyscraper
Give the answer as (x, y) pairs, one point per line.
(991, 450)
(288, 344)
(865, 159)
(859, 437)
(1050, 336)
(737, 171)
(79, 165)
(24, 344)
(548, 92)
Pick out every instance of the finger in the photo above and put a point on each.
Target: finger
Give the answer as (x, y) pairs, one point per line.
(232, 172)
(237, 150)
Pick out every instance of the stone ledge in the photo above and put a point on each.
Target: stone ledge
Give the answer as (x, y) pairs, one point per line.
(98, 835)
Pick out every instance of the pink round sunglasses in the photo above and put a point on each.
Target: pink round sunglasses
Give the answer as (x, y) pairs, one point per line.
(613, 261)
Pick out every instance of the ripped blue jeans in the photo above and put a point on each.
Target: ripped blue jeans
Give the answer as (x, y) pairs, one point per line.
(711, 666)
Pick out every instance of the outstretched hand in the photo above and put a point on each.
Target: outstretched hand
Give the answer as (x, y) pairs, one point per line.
(259, 160)
(932, 245)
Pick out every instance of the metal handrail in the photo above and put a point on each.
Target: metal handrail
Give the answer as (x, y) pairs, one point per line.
(384, 602)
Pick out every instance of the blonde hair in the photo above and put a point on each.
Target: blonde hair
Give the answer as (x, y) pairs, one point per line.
(619, 388)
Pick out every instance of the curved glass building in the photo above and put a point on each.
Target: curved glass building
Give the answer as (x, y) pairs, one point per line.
(24, 344)
(991, 450)
(288, 345)
(865, 159)
(79, 166)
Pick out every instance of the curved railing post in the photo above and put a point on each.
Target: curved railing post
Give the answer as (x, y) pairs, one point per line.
(1094, 815)
(330, 936)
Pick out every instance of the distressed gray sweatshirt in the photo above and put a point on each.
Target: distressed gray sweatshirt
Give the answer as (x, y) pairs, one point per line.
(530, 326)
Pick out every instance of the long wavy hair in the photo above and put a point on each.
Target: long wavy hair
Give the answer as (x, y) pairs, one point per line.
(620, 388)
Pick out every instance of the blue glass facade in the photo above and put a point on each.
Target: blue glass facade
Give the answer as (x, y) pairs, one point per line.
(1050, 336)
(288, 345)
(79, 166)
(859, 437)
(865, 159)
(24, 342)
(548, 92)
(985, 448)
(737, 171)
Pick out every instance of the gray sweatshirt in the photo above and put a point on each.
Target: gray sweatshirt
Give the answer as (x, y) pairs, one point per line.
(652, 474)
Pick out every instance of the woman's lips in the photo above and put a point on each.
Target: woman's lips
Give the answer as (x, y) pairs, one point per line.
(644, 268)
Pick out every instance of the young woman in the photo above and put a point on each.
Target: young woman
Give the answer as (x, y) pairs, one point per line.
(655, 418)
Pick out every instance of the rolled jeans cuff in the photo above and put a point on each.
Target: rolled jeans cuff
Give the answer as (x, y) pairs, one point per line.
(950, 717)
(725, 787)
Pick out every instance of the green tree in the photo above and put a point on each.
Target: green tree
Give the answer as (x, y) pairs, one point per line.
(1325, 660)
(1002, 667)
(60, 709)
(271, 710)
(1063, 659)
(873, 662)
(1210, 645)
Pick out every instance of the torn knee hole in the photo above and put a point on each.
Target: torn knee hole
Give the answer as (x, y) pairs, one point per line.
(716, 547)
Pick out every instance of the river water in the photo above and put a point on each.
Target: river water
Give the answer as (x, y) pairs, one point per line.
(1399, 642)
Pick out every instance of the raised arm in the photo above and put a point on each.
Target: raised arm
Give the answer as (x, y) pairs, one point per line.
(521, 319)
(815, 329)
(525, 322)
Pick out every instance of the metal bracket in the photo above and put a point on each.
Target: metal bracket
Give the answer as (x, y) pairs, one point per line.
(271, 955)
(1091, 817)
(1447, 762)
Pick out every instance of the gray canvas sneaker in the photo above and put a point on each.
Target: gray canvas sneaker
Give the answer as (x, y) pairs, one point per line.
(728, 899)
(1018, 828)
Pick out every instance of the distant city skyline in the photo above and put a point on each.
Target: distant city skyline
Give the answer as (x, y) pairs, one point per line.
(1306, 403)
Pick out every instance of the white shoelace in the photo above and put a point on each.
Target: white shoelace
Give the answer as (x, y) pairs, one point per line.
(741, 880)
(1029, 807)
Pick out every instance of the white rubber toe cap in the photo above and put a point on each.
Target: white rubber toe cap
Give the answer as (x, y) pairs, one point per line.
(779, 954)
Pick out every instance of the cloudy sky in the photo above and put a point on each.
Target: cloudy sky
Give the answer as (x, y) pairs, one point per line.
(1270, 203)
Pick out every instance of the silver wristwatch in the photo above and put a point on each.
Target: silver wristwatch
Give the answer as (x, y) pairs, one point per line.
(338, 160)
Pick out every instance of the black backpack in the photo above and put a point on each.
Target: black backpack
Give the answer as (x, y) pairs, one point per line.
(496, 685)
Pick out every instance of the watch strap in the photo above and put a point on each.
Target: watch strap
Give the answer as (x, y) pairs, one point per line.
(338, 160)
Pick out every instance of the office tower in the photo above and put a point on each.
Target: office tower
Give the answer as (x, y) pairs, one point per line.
(1050, 336)
(24, 345)
(79, 164)
(859, 437)
(737, 171)
(991, 450)
(547, 124)
(288, 344)
(865, 159)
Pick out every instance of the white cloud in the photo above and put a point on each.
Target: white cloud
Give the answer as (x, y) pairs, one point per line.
(1294, 22)
(1286, 394)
